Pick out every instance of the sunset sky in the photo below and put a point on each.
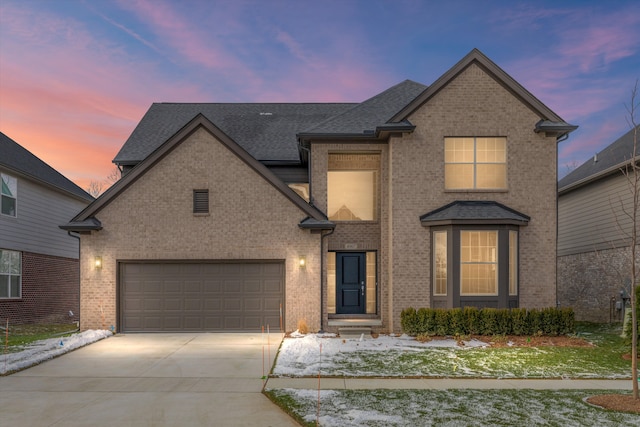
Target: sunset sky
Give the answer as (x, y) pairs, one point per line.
(77, 76)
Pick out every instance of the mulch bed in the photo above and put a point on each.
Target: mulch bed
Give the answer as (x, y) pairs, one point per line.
(616, 402)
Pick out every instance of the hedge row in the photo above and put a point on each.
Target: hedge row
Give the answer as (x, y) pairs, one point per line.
(487, 321)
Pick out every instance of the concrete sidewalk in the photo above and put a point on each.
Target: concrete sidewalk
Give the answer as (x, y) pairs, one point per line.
(446, 383)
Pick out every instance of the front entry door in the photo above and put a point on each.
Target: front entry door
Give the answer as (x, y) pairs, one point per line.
(350, 282)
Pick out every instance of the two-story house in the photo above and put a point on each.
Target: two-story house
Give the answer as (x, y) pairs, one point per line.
(595, 202)
(238, 216)
(39, 274)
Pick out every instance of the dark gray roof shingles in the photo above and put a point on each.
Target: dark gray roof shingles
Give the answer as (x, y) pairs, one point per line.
(15, 157)
(373, 112)
(266, 130)
(617, 153)
(461, 210)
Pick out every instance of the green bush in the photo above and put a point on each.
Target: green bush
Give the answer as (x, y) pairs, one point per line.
(487, 321)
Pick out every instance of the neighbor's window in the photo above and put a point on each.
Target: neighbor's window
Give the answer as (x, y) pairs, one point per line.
(478, 263)
(9, 195)
(475, 163)
(10, 271)
(440, 263)
(201, 201)
(513, 262)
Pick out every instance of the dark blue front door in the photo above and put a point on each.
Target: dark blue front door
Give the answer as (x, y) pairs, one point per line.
(350, 282)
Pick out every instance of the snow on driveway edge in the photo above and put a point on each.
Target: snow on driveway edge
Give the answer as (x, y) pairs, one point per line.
(40, 351)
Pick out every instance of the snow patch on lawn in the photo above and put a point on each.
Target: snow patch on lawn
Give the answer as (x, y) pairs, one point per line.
(47, 349)
(304, 355)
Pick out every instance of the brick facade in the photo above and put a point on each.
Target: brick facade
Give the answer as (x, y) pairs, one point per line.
(152, 219)
(49, 292)
(591, 282)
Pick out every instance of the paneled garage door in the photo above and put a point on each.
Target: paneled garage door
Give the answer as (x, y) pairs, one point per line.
(169, 297)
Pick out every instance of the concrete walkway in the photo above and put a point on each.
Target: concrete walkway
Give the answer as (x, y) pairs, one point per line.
(446, 383)
(148, 380)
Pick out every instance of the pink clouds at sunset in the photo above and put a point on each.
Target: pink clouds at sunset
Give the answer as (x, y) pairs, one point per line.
(77, 76)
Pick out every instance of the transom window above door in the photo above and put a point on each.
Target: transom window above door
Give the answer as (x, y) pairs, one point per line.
(352, 187)
(475, 163)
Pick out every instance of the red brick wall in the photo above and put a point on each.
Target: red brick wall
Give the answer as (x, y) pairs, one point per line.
(50, 289)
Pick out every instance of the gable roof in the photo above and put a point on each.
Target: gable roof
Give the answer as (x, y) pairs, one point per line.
(550, 122)
(607, 161)
(474, 212)
(365, 118)
(86, 221)
(16, 158)
(267, 131)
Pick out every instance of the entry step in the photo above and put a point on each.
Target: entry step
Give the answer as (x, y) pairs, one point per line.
(354, 332)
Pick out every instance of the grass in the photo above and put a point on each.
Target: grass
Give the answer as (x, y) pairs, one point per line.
(20, 336)
(469, 407)
(448, 408)
(604, 360)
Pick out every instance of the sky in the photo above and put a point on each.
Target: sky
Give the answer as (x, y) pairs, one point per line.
(76, 76)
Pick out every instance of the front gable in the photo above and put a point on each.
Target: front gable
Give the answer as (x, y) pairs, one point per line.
(192, 135)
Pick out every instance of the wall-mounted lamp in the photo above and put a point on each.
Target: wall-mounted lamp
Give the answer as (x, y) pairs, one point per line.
(98, 263)
(302, 262)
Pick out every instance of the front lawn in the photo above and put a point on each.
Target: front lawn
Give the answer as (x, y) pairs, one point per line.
(404, 357)
(564, 408)
(19, 336)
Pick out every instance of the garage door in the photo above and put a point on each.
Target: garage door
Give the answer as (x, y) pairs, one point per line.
(169, 297)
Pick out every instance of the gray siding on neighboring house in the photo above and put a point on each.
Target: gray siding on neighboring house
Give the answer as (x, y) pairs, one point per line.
(40, 210)
(592, 217)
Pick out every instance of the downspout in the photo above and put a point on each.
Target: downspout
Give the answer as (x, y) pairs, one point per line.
(322, 236)
(79, 279)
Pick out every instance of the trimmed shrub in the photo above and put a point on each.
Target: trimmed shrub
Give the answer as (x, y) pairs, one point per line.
(487, 321)
(472, 318)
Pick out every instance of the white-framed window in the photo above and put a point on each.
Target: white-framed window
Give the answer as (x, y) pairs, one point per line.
(10, 274)
(478, 263)
(440, 263)
(8, 195)
(475, 163)
(513, 262)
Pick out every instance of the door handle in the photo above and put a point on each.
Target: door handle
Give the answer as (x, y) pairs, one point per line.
(362, 289)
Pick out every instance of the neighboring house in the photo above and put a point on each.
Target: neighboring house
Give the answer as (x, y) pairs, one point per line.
(39, 274)
(238, 216)
(593, 229)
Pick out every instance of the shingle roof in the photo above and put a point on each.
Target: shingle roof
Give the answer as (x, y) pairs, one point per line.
(608, 160)
(266, 130)
(372, 113)
(15, 157)
(473, 211)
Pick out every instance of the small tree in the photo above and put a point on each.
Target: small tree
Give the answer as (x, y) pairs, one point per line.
(96, 188)
(631, 171)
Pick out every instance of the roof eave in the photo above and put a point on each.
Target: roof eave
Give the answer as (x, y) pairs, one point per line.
(554, 129)
(88, 225)
(472, 221)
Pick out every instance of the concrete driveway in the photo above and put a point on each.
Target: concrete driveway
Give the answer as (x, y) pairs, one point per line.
(186, 379)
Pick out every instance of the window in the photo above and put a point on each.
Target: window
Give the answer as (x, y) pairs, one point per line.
(474, 265)
(10, 271)
(200, 201)
(478, 263)
(513, 262)
(8, 195)
(475, 163)
(352, 186)
(440, 263)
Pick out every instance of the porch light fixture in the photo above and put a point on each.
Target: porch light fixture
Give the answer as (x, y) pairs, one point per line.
(302, 261)
(98, 263)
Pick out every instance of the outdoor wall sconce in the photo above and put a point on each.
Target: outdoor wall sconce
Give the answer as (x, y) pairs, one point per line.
(98, 263)
(302, 262)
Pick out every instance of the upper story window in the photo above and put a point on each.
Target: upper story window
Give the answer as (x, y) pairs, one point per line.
(352, 187)
(475, 163)
(9, 195)
(10, 272)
